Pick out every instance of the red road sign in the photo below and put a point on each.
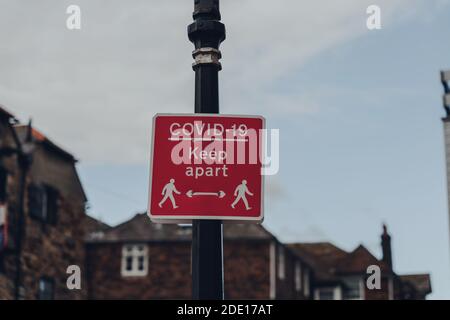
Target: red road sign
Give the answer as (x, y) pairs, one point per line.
(206, 166)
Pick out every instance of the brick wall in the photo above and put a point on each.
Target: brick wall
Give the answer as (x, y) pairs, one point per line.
(6, 288)
(169, 272)
(246, 272)
(247, 269)
(382, 294)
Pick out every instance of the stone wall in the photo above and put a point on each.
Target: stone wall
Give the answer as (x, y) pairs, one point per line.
(47, 249)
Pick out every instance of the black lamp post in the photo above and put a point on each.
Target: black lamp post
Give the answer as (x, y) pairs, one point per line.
(207, 33)
(23, 151)
(445, 79)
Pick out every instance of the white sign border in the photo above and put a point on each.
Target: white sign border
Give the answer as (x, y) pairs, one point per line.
(172, 219)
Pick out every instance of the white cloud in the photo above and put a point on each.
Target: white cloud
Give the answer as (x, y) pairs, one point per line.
(96, 90)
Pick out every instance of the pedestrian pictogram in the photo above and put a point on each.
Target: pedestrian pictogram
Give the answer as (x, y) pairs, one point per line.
(168, 191)
(241, 193)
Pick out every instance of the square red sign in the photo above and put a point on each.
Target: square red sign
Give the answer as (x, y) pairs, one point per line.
(206, 166)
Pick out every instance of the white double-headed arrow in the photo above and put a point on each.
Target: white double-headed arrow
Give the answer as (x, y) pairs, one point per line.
(219, 194)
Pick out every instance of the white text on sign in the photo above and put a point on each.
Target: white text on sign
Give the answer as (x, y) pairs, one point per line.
(236, 144)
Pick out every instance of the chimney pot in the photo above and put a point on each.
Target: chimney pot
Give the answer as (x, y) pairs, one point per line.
(386, 247)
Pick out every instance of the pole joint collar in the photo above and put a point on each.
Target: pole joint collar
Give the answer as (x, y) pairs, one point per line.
(207, 56)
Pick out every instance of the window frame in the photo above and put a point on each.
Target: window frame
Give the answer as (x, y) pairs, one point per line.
(46, 281)
(47, 197)
(327, 290)
(360, 281)
(132, 251)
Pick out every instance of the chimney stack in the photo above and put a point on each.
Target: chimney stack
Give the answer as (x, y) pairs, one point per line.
(386, 247)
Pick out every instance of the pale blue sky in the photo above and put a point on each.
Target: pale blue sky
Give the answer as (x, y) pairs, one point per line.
(358, 111)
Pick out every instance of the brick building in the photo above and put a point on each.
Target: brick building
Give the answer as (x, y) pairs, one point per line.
(342, 275)
(43, 216)
(142, 260)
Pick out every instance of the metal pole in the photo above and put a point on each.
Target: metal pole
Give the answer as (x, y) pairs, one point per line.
(24, 160)
(207, 33)
(445, 79)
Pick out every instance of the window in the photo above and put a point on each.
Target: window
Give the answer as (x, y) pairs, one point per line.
(3, 185)
(281, 262)
(325, 294)
(183, 229)
(298, 276)
(46, 289)
(43, 203)
(353, 288)
(134, 260)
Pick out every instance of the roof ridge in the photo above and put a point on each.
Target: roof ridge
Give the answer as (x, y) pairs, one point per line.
(317, 244)
(44, 139)
(127, 221)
